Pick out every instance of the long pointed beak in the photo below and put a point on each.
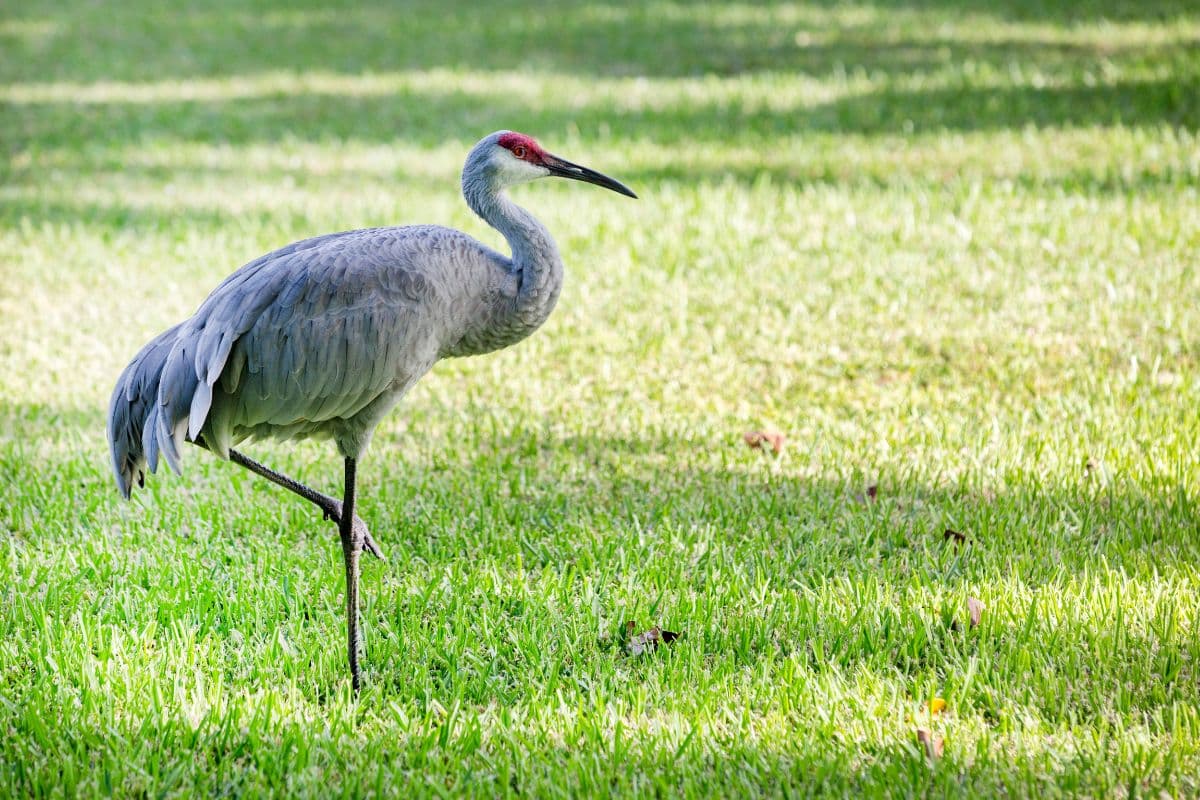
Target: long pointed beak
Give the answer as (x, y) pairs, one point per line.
(565, 169)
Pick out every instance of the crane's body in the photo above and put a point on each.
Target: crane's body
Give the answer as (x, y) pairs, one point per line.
(323, 337)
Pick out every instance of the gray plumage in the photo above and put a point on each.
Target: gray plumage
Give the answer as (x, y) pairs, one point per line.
(323, 337)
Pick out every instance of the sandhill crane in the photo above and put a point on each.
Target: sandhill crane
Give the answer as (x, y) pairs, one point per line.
(321, 338)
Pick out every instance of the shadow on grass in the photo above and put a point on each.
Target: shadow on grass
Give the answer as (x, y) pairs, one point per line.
(83, 42)
(906, 521)
(1125, 180)
(426, 117)
(1084, 11)
(527, 484)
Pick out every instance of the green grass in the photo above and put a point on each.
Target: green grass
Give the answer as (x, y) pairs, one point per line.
(950, 249)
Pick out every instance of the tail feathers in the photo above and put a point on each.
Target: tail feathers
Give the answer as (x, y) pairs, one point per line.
(132, 412)
(165, 396)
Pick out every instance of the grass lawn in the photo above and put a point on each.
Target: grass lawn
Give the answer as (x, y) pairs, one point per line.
(949, 249)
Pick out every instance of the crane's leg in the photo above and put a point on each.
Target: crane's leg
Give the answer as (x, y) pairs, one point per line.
(329, 506)
(352, 544)
(353, 532)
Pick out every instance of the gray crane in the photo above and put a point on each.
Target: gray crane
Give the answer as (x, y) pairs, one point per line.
(321, 338)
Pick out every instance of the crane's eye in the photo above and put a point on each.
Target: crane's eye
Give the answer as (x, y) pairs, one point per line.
(519, 151)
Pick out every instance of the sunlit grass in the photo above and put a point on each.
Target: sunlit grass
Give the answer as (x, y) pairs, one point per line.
(947, 249)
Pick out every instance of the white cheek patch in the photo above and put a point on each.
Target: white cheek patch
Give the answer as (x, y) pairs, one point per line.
(513, 170)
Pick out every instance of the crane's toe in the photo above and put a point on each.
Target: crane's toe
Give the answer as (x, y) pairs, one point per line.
(362, 535)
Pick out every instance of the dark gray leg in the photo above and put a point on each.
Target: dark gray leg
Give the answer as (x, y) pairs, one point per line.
(352, 544)
(329, 506)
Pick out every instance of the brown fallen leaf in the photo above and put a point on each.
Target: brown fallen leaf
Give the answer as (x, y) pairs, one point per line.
(758, 440)
(934, 744)
(646, 641)
(950, 533)
(974, 610)
(868, 497)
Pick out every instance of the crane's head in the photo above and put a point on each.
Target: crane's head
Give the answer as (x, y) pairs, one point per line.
(509, 158)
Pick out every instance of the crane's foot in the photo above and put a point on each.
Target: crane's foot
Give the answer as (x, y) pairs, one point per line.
(334, 512)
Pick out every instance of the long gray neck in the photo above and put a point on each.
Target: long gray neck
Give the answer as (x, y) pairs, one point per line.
(536, 262)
